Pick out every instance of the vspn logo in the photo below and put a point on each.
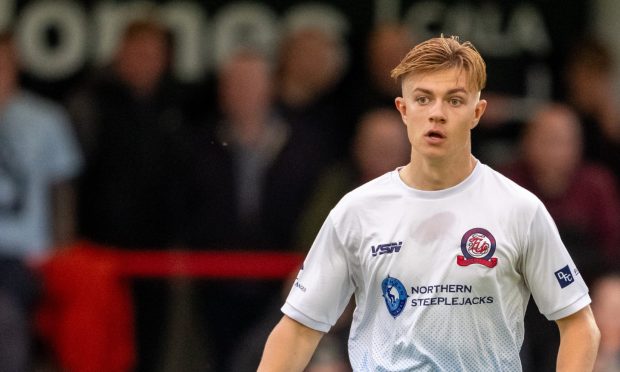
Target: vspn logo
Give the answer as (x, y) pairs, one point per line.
(386, 248)
(564, 276)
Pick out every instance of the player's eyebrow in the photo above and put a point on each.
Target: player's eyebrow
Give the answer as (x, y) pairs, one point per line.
(450, 91)
(457, 90)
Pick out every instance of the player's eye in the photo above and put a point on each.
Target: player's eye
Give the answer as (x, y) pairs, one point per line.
(422, 100)
(455, 101)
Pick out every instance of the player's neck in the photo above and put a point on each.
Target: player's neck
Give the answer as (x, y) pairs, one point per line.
(428, 175)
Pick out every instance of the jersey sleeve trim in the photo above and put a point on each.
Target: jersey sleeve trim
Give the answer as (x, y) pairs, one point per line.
(297, 315)
(582, 302)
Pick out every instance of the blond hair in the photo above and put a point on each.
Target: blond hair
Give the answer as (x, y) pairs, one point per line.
(443, 53)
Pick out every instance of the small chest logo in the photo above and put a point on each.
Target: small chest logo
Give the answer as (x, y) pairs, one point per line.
(394, 294)
(478, 247)
(386, 248)
(564, 276)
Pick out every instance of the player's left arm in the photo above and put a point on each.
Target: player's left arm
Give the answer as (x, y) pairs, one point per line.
(579, 340)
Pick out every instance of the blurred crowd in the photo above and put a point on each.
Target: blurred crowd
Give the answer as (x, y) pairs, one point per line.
(130, 159)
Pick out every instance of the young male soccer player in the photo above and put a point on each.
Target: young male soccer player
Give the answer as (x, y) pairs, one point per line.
(441, 254)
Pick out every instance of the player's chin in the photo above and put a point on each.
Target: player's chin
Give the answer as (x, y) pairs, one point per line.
(433, 151)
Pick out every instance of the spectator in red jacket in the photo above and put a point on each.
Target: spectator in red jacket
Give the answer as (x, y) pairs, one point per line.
(581, 196)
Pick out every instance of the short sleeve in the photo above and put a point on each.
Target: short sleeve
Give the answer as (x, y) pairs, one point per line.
(554, 281)
(323, 286)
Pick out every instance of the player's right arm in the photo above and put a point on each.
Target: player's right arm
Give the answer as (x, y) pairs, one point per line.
(289, 347)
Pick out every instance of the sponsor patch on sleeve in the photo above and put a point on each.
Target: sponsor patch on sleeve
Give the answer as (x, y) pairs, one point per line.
(564, 276)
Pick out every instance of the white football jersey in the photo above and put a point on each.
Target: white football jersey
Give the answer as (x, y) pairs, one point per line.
(441, 278)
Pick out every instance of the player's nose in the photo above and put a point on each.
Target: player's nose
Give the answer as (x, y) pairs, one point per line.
(437, 112)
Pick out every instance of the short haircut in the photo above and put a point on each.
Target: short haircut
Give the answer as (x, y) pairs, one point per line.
(443, 53)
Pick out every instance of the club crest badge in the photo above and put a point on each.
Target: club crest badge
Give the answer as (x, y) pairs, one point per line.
(394, 294)
(478, 247)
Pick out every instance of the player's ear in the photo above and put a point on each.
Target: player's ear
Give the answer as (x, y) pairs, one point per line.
(481, 105)
(402, 108)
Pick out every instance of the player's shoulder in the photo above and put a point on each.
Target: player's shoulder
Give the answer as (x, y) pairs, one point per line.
(366, 195)
(507, 191)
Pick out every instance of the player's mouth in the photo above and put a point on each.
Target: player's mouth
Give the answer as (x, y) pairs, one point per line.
(434, 136)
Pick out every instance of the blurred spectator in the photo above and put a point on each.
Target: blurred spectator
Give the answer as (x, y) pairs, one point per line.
(380, 145)
(129, 121)
(589, 81)
(606, 306)
(39, 156)
(581, 197)
(131, 127)
(253, 159)
(309, 89)
(386, 45)
(249, 191)
(497, 135)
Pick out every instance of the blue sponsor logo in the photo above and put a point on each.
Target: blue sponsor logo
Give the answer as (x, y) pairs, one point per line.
(394, 294)
(386, 248)
(564, 276)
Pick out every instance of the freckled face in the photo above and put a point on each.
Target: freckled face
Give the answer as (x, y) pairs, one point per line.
(439, 109)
